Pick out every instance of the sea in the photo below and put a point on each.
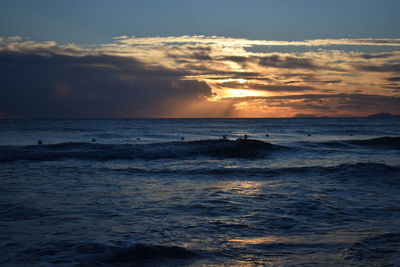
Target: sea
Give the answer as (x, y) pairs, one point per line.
(200, 192)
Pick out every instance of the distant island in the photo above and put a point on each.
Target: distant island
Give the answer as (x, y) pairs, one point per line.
(305, 116)
(382, 115)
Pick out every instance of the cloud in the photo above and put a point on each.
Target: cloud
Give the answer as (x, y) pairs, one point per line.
(281, 88)
(329, 104)
(190, 76)
(287, 62)
(376, 55)
(275, 61)
(14, 39)
(380, 68)
(329, 82)
(58, 85)
(394, 88)
(393, 79)
(266, 87)
(279, 61)
(197, 54)
(237, 59)
(228, 41)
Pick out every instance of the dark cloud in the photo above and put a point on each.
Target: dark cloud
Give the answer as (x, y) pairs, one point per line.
(237, 76)
(303, 76)
(292, 82)
(198, 56)
(314, 81)
(287, 62)
(57, 85)
(370, 98)
(394, 88)
(280, 88)
(376, 55)
(267, 87)
(329, 82)
(393, 79)
(237, 59)
(201, 56)
(278, 61)
(380, 68)
(275, 61)
(233, 85)
(259, 79)
(210, 72)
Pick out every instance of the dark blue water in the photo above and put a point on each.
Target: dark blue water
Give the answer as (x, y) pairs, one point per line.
(296, 192)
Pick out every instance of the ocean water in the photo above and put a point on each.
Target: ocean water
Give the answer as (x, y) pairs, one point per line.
(296, 192)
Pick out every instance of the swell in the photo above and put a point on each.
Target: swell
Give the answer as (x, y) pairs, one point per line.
(382, 248)
(223, 148)
(385, 142)
(96, 254)
(144, 254)
(246, 148)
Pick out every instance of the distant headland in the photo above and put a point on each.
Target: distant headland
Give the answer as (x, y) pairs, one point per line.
(382, 115)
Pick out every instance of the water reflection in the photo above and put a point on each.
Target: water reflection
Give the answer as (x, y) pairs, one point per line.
(244, 187)
(260, 240)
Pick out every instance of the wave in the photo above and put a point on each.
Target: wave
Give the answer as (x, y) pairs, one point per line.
(386, 142)
(144, 254)
(97, 254)
(246, 148)
(224, 148)
(384, 247)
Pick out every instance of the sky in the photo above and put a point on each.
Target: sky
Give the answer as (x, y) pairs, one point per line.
(186, 58)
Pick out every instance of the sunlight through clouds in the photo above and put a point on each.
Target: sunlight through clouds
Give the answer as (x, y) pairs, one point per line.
(223, 70)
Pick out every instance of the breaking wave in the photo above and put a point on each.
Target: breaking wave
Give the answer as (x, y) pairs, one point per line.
(223, 148)
(246, 148)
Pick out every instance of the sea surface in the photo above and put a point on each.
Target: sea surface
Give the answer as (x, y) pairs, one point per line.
(196, 192)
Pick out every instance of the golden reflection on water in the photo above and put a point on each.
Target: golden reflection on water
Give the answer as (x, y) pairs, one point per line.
(243, 187)
(248, 187)
(259, 240)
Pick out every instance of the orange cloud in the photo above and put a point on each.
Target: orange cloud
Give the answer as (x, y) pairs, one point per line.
(200, 76)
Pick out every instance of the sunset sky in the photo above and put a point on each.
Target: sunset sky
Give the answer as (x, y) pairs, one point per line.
(184, 58)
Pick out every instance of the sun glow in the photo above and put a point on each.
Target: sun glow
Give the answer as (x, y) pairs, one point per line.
(242, 93)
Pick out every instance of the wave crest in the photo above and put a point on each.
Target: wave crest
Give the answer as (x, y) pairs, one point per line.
(385, 142)
(93, 151)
